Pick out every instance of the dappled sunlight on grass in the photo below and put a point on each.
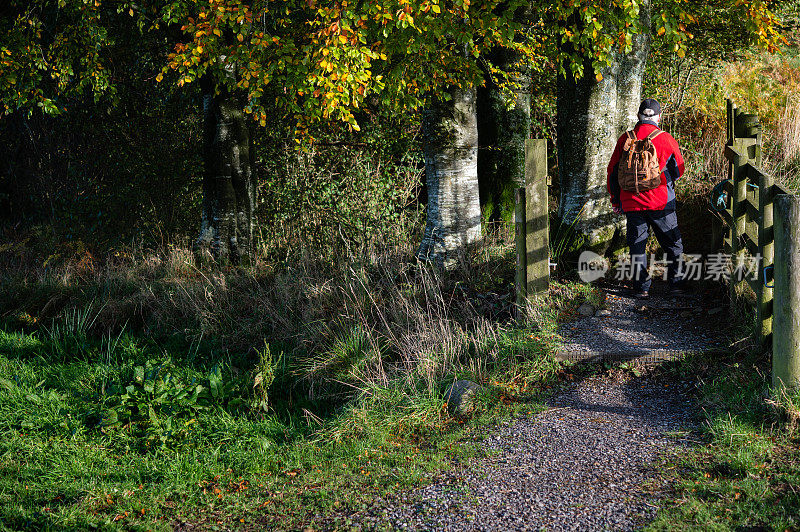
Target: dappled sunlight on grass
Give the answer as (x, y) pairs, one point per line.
(747, 472)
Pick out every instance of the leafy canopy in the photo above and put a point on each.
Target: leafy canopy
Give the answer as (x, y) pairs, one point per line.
(312, 61)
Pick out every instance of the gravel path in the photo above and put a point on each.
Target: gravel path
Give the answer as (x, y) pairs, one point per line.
(583, 464)
(659, 327)
(587, 462)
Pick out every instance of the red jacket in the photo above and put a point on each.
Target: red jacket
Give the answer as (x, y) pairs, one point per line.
(671, 160)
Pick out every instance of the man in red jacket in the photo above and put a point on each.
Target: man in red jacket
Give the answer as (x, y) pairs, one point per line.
(651, 208)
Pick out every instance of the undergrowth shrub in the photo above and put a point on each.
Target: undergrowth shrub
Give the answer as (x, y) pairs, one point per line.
(339, 201)
(263, 377)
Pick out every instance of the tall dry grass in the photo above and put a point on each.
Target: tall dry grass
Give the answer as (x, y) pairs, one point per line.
(789, 130)
(341, 327)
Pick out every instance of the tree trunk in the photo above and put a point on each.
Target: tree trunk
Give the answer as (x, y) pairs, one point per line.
(587, 125)
(450, 148)
(631, 72)
(591, 116)
(229, 186)
(501, 137)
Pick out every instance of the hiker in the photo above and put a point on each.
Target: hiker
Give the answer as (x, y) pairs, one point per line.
(641, 180)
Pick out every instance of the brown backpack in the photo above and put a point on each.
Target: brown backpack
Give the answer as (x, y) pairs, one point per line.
(639, 169)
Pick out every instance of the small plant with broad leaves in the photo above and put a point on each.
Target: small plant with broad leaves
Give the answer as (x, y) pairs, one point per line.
(158, 409)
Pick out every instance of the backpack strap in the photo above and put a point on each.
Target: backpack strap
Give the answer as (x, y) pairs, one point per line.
(630, 140)
(654, 134)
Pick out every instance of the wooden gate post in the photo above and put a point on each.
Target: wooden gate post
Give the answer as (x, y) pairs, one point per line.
(739, 181)
(766, 246)
(746, 142)
(786, 298)
(727, 236)
(519, 240)
(537, 225)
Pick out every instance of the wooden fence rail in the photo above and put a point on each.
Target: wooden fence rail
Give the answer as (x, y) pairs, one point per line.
(749, 214)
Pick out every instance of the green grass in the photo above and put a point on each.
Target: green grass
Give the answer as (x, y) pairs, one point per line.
(144, 394)
(745, 475)
(112, 436)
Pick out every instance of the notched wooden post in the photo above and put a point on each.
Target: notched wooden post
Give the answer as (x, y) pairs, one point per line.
(748, 152)
(766, 246)
(537, 240)
(519, 237)
(786, 302)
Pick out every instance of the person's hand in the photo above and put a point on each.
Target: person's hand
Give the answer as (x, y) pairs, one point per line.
(617, 209)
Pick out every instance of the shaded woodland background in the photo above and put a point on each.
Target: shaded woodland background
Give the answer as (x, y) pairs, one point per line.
(128, 173)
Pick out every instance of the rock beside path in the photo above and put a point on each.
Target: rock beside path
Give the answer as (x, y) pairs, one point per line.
(459, 396)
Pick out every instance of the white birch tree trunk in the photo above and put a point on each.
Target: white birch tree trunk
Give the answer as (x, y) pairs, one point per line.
(450, 147)
(591, 116)
(587, 125)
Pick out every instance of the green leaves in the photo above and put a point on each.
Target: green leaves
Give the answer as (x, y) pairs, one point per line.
(312, 62)
(52, 52)
(157, 409)
(325, 61)
(595, 33)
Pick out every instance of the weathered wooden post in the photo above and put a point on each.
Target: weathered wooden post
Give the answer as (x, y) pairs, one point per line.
(731, 108)
(748, 126)
(739, 180)
(537, 224)
(786, 302)
(519, 238)
(746, 131)
(727, 231)
(766, 246)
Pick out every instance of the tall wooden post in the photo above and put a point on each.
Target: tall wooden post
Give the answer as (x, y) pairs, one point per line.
(731, 111)
(519, 238)
(786, 303)
(746, 131)
(537, 225)
(727, 231)
(766, 246)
